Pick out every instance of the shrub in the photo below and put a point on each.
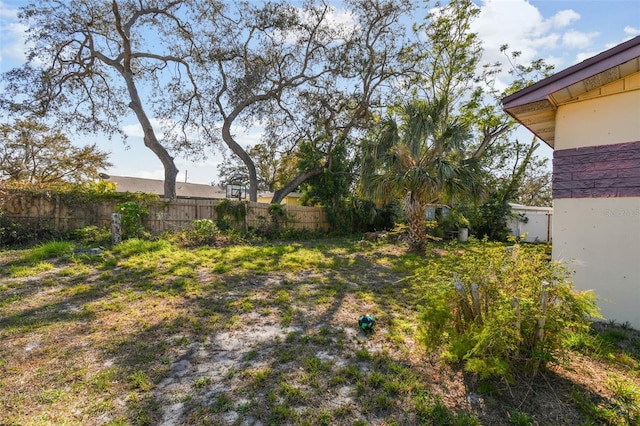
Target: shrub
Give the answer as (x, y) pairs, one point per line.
(132, 215)
(276, 225)
(507, 310)
(491, 219)
(14, 232)
(229, 213)
(202, 232)
(91, 235)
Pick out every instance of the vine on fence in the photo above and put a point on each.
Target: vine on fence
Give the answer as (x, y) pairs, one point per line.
(132, 216)
(227, 210)
(79, 197)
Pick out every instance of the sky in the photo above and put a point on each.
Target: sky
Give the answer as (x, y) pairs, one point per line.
(561, 32)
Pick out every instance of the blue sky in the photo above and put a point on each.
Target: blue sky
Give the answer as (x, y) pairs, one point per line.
(561, 32)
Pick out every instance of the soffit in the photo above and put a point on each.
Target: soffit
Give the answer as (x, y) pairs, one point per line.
(539, 115)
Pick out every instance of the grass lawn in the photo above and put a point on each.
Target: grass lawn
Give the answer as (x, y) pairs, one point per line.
(151, 333)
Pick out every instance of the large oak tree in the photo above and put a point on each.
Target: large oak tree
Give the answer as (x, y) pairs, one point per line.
(91, 62)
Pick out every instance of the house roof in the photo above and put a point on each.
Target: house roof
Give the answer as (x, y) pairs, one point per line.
(535, 106)
(154, 186)
(522, 207)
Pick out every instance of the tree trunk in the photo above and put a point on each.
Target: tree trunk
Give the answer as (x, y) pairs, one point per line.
(415, 211)
(244, 156)
(279, 195)
(151, 142)
(150, 139)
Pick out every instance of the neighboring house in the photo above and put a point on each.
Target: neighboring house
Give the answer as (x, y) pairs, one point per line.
(193, 190)
(590, 114)
(292, 199)
(155, 186)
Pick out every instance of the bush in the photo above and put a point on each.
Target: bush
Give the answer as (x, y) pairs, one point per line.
(16, 233)
(356, 215)
(508, 310)
(229, 213)
(91, 236)
(132, 215)
(491, 219)
(203, 232)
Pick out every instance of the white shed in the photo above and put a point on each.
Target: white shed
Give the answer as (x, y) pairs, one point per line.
(535, 222)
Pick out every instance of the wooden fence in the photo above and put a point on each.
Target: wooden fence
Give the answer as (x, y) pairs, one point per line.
(51, 212)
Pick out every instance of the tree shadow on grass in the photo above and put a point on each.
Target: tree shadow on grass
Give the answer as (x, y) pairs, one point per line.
(276, 347)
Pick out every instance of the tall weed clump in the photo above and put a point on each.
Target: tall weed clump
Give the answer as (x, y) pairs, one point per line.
(503, 310)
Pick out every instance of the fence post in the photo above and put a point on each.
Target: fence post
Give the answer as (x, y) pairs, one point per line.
(116, 227)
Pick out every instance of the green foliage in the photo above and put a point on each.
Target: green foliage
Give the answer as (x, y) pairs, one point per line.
(275, 225)
(417, 160)
(201, 232)
(330, 188)
(278, 215)
(135, 246)
(490, 219)
(16, 233)
(519, 418)
(80, 197)
(511, 310)
(229, 213)
(49, 155)
(48, 250)
(436, 413)
(132, 216)
(455, 220)
(91, 235)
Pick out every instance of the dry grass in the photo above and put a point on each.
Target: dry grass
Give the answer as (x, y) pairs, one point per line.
(148, 333)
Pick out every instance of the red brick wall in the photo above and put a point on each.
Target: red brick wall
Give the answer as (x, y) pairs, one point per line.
(597, 171)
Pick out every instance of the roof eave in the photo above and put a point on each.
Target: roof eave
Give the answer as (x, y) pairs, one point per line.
(589, 67)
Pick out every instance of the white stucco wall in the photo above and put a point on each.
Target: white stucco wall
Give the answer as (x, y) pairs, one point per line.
(599, 121)
(600, 238)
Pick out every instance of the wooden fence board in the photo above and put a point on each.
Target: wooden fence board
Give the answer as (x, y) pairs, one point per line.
(164, 215)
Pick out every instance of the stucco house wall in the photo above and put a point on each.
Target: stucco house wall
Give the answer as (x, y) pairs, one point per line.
(597, 196)
(590, 115)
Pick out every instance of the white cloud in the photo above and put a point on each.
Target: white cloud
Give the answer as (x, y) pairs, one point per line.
(133, 131)
(522, 26)
(631, 31)
(586, 55)
(518, 24)
(564, 18)
(13, 37)
(341, 17)
(548, 42)
(6, 12)
(247, 136)
(578, 39)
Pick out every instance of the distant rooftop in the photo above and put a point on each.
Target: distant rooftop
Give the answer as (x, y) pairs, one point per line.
(155, 186)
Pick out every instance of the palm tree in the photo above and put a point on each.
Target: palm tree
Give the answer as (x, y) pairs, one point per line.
(420, 161)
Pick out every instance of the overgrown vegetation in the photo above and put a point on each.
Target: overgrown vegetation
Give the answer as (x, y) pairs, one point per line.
(132, 215)
(77, 197)
(229, 213)
(504, 311)
(149, 331)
